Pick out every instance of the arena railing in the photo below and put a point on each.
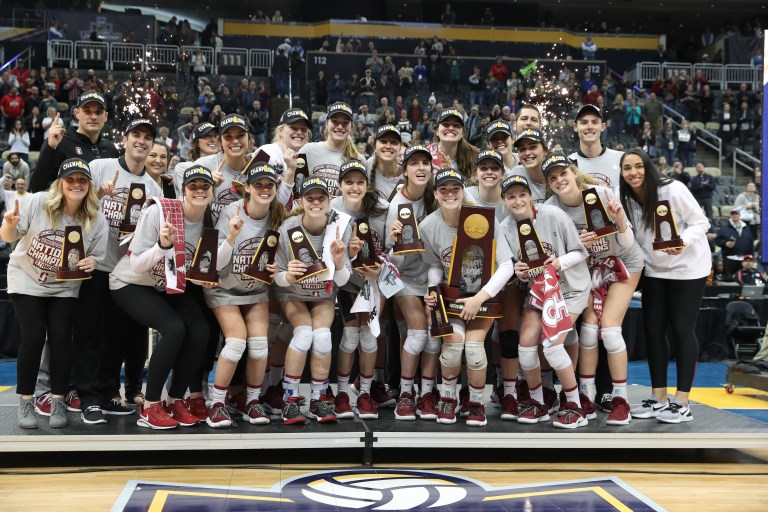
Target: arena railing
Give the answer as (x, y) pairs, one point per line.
(719, 76)
(644, 72)
(207, 52)
(161, 56)
(93, 53)
(743, 159)
(736, 74)
(233, 58)
(60, 50)
(129, 54)
(260, 60)
(706, 137)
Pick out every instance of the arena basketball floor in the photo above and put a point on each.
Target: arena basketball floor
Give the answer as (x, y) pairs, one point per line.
(717, 462)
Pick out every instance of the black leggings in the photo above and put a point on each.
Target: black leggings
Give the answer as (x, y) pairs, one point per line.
(35, 314)
(184, 330)
(671, 307)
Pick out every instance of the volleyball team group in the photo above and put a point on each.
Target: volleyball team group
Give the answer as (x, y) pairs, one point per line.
(78, 334)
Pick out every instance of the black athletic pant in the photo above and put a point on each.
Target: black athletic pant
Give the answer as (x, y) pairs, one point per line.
(184, 330)
(87, 337)
(671, 307)
(35, 315)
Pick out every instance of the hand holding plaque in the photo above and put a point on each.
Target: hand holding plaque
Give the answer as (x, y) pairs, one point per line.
(132, 211)
(440, 325)
(409, 239)
(264, 255)
(663, 215)
(302, 250)
(367, 255)
(598, 220)
(260, 157)
(203, 269)
(531, 250)
(72, 251)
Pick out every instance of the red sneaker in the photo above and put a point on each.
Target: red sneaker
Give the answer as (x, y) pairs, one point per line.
(366, 407)
(523, 393)
(619, 414)
(342, 408)
(43, 404)
(573, 417)
(550, 400)
(322, 409)
(464, 401)
(427, 409)
(218, 417)
(255, 414)
(179, 410)
(291, 413)
(509, 410)
(155, 417)
(197, 407)
(476, 417)
(236, 404)
(380, 394)
(588, 407)
(531, 412)
(405, 409)
(272, 401)
(446, 411)
(72, 401)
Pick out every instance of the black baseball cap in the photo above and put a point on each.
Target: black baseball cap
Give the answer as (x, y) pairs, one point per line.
(73, 165)
(293, 115)
(498, 127)
(409, 152)
(91, 96)
(233, 121)
(588, 108)
(313, 183)
(448, 174)
(259, 171)
(450, 112)
(514, 180)
(555, 159)
(353, 165)
(201, 130)
(385, 129)
(340, 108)
(135, 123)
(197, 172)
(489, 154)
(530, 134)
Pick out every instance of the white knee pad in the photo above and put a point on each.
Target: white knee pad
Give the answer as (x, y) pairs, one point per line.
(233, 349)
(557, 357)
(571, 338)
(350, 339)
(476, 356)
(302, 339)
(613, 340)
(433, 345)
(529, 357)
(274, 325)
(322, 343)
(258, 347)
(415, 341)
(450, 355)
(588, 339)
(368, 342)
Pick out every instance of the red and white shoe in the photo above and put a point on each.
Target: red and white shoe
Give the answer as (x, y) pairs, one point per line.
(509, 409)
(155, 417)
(446, 411)
(341, 405)
(405, 409)
(43, 404)
(427, 409)
(218, 416)
(476, 417)
(619, 414)
(72, 401)
(366, 407)
(255, 413)
(179, 411)
(572, 417)
(531, 412)
(197, 407)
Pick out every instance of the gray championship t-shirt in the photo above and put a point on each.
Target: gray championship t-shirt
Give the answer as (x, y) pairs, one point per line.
(605, 168)
(324, 163)
(224, 194)
(38, 254)
(538, 190)
(384, 186)
(473, 194)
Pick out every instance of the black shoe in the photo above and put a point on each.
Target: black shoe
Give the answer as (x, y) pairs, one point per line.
(116, 408)
(92, 415)
(605, 402)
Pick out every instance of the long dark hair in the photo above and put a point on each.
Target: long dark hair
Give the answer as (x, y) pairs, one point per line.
(430, 204)
(653, 181)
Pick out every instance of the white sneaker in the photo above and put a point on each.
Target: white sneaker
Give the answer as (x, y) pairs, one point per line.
(650, 408)
(676, 412)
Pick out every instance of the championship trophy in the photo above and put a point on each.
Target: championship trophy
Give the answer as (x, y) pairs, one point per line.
(409, 240)
(260, 157)
(440, 324)
(72, 251)
(597, 217)
(367, 255)
(302, 172)
(531, 250)
(203, 268)
(264, 255)
(132, 211)
(302, 250)
(472, 261)
(662, 214)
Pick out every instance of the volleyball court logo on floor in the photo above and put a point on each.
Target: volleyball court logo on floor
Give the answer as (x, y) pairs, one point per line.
(384, 489)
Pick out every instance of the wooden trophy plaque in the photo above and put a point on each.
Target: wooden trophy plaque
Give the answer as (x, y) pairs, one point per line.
(264, 255)
(531, 250)
(440, 325)
(472, 261)
(72, 251)
(302, 250)
(203, 268)
(597, 217)
(367, 255)
(136, 198)
(260, 157)
(662, 214)
(409, 240)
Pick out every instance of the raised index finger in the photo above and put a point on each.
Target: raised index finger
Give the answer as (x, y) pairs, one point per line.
(56, 119)
(354, 229)
(16, 208)
(338, 235)
(117, 175)
(168, 217)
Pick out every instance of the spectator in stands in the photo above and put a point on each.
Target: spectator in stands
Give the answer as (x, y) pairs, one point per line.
(647, 140)
(592, 95)
(48, 120)
(587, 82)
(588, 49)
(421, 49)
(53, 31)
(297, 74)
(703, 186)
(671, 91)
(20, 71)
(653, 112)
(663, 166)
(74, 87)
(12, 108)
(720, 276)
(420, 76)
(374, 64)
(321, 89)
(18, 140)
(707, 38)
(336, 88)
(707, 101)
(425, 127)
(487, 18)
(633, 114)
(163, 137)
(686, 144)
(15, 168)
(404, 125)
(748, 274)
(433, 72)
(216, 115)
(264, 95)
(206, 100)
(367, 89)
(34, 127)
(280, 69)
(744, 123)
(677, 172)
(742, 95)
(366, 117)
(258, 118)
(47, 100)
(690, 104)
(748, 202)
(454, 76)
(228, 102)
(757, 59)
(198, 64)
(448, 17)
(477, 87)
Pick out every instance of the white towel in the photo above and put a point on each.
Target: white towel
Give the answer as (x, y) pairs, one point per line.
(368, 301)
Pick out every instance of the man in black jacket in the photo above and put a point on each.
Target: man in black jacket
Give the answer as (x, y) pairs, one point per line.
(84, 142)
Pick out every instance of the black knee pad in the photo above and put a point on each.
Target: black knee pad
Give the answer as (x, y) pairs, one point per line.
(509, 341)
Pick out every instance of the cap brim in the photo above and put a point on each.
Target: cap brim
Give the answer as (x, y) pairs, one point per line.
(70, 172)
(314, 187)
